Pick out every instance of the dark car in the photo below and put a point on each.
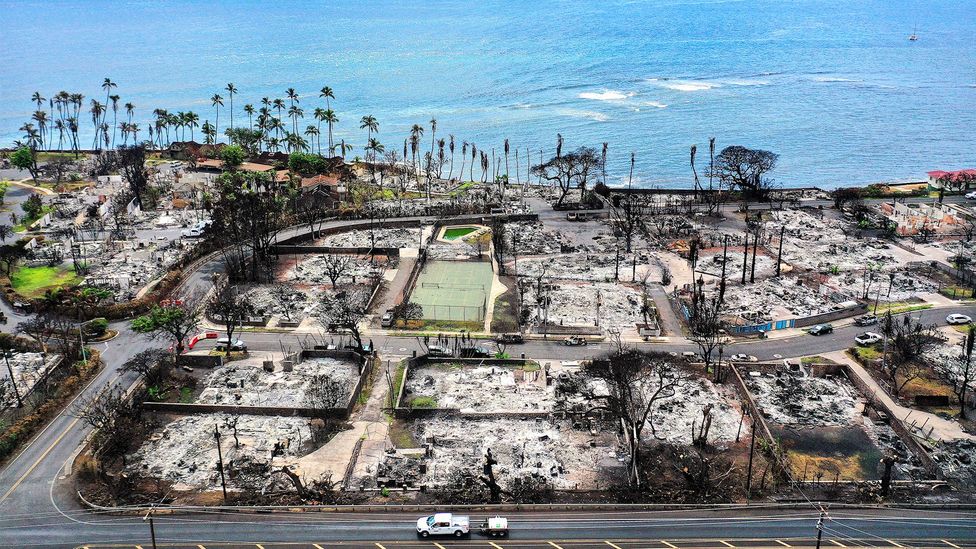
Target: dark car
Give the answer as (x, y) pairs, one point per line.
(509, 338)
(821, 329)
(866, 320)
(476, 352)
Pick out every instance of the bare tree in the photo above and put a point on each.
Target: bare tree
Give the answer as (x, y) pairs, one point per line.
(569, 170)
(229, 306)
(336, 266)
(345, 310)
(908, 340)
(284, 296)
(325, 392)
(636, 381)
(745, 169)
(706, 326)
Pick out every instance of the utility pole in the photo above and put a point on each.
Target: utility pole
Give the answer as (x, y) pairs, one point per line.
(152, 527)
(752, 450)
(820, 527)
(725, 261)
(755, 250)
(745, 258)
(13, 382)
(220, 463)
(779, 255)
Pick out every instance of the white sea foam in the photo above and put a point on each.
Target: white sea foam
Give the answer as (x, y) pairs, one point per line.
(654, 104)
(746, 82)
(591, 115)
(606, 95)
(688, 86)
(829, 79)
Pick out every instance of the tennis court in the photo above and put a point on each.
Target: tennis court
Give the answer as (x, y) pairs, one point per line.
(453, 290)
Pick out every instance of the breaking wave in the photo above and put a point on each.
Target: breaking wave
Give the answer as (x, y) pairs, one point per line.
(606, 95)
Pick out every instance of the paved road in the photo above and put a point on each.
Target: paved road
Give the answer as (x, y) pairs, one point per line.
(654, 530)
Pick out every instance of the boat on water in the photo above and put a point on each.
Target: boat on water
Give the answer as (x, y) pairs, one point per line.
(914, 36)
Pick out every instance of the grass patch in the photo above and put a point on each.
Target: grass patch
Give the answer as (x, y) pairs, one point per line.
(401, 436)
(34, 281)
(896, 307)
(956, 292)
(426, 403)
(867, 353)
(504, 313)
(26, 222)
(401, 372)
(816, 360)
(452, 325)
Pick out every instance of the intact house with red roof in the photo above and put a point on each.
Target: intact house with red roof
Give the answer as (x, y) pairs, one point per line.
(958, 180)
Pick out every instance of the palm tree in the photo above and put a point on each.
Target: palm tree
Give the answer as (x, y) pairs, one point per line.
(104, 128)
(278, 104)
(464, 157)
(506, 160)
(344, 148)
(249, 109)
(694, 172)
(292, 95)
(209, 131)
(331, 119)
(217, 101)
(433, 132)
(313, 132)
(273, 144)
(41, 118)
(474, 155)
(440, 156)
(327, 94)
(59, 125)
(36, 97)
(416, 132)
(450, 147)
(115, 114)
(134, 128)
(374, 147)
(97, 110)
(559, 145)
(295, 112)
(130, 109)
(160, 115)
(107, 85)
(369, 124)
(192, 121)
(603, 161)
(231, 90)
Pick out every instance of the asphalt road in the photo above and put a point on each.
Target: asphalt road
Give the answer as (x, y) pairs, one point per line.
(654, 530)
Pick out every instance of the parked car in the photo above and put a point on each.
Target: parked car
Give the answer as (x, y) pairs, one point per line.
(742, 357)
(971, 195)
(866, 320)
(821, 329)
(573, 341)
(236, 345)
(443, 524)
(867, 338)
(477, 352)
(957, 318)
(571, 216)
(192, 232)
(510, 338)
(387, 320)
(438, 351)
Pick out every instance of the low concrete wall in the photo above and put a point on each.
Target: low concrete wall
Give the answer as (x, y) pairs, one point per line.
(288, 249)
(190, 409)
(832, 315)
(200, 361)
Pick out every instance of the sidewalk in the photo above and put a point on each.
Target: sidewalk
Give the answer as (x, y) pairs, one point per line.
(941, 429)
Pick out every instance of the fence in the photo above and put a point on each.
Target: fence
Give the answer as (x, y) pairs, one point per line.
(795, 322)
(461, 313)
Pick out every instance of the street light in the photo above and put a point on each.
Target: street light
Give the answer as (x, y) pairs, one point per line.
(7, 355)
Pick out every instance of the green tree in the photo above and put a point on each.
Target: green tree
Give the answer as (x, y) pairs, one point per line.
(174, 322)
(232, 156)
(25, 159)
(32, 207)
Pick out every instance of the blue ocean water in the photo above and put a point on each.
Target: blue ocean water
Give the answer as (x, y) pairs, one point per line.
(833, 86)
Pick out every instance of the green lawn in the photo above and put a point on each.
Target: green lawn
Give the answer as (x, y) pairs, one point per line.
(34, 281)
(24, 221)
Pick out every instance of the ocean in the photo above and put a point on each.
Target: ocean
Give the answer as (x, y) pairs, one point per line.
(833, 86)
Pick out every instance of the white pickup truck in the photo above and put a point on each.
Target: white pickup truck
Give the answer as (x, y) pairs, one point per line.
(443, 524)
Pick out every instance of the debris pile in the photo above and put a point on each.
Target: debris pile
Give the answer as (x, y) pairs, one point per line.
(778, 298)
(587, 304)
(28, 369)
(531, 238)
(184, 452)
(589, 266)
(566, 454)
(674, 419)
(795, 398)
(246, 383)
(393, 237)
(957, 459)
(314, 269)
(481, 389)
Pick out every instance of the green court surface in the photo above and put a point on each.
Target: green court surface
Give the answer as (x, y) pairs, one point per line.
(453, 290)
